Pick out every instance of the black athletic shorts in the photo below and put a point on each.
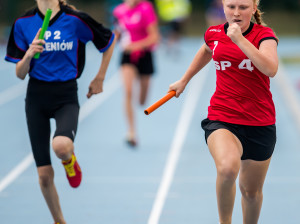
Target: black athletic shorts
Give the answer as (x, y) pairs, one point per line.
(46, 100)
(258, 141)
(144, 64)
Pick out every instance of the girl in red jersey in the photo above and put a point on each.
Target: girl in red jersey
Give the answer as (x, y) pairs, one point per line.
(240, 128)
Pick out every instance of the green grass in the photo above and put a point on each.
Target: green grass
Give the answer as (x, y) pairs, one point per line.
(291, 60)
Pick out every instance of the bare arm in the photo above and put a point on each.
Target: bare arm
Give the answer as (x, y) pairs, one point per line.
(96, 86)
(201, 59)
(265, 58)
(23, 66)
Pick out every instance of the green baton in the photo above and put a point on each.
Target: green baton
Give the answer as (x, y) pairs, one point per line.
(44, 28)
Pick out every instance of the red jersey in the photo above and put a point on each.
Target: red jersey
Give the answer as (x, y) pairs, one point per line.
(242, 93)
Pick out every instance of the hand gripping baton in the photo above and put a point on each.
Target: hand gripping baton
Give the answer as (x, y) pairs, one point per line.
(44, 28)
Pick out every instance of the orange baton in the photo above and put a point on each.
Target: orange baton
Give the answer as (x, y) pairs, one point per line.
(160, 102)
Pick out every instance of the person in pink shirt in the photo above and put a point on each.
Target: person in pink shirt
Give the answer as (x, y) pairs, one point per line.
(137, 30)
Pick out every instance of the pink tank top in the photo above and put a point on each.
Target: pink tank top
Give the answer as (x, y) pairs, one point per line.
(133, 22)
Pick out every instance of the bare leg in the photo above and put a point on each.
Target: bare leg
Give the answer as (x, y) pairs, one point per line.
(46, 180)
(63, 147)
(252, 177)
(129, 75)
(226, 150)
(145, 83)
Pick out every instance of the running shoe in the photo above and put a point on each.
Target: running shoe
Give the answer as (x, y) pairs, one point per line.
(73, 171)
(131, 142)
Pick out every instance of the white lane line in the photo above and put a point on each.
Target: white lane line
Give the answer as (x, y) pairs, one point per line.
(289, 93)
(188, 109)
(111, 86)
(17, 171)
(13, 92)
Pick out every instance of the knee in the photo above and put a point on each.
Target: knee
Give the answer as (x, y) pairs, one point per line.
(251, 195)
(45, 180)
(228, 172)
(62, 147)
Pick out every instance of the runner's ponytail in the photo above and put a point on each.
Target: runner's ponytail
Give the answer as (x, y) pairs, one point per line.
(64, 2)
(258, 17)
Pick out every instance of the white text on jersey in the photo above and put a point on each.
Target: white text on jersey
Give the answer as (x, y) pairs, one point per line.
(245, 64)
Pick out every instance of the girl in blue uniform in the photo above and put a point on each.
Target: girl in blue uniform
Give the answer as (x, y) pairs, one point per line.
(52, 86)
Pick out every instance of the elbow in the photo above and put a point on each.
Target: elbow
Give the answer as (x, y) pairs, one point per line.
(154, 38)
(272, 72)
(19, 74)
(272, 75)
(22, 77)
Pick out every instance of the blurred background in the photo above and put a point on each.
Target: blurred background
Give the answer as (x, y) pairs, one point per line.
(121, 185)
(282, 16)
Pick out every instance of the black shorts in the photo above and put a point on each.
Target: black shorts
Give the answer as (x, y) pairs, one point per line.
(144, 64)
(258, 141)
(46, 100)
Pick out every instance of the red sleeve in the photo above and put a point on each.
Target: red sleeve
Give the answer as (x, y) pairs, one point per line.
(266, 34)
(210, 35)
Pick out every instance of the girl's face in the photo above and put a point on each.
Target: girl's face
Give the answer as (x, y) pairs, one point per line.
(239, 12)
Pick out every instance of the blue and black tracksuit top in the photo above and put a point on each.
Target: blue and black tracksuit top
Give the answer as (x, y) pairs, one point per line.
(63, 57)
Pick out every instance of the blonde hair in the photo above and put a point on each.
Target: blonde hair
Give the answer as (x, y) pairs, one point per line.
(258, 16)
(64, 2)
